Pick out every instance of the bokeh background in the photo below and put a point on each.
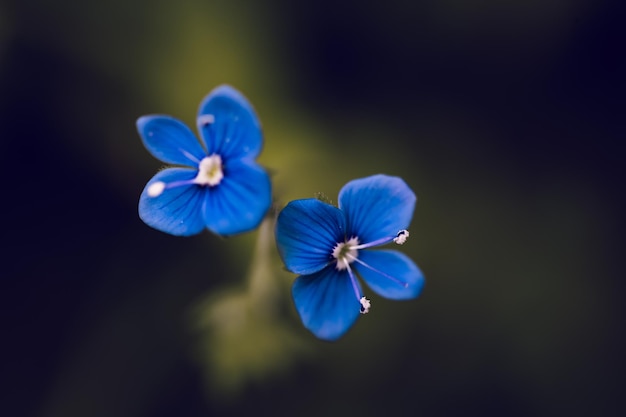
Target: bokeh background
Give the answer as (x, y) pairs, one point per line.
(505, 117)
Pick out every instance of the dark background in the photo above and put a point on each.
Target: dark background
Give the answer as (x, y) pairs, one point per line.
(506, 118)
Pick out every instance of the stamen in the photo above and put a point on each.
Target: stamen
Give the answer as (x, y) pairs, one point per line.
(365, 305)
(209, 173)
(394, 279)
(402, 236)
(355, 287)
(399, 238)
(155, 190)
(190, 156)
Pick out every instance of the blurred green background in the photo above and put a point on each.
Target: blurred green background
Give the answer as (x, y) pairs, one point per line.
(505, 117)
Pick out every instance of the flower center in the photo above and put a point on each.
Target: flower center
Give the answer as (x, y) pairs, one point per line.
(345, 253)
(210, 171)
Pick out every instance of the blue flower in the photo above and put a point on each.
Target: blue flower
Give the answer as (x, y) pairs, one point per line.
(328, 246)
(218, 185)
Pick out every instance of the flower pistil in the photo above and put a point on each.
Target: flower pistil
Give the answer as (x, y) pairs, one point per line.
(345, 253)
(210, 171)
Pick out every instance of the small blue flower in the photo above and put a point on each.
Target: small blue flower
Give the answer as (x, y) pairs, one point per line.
(218, 185)
(328, 246)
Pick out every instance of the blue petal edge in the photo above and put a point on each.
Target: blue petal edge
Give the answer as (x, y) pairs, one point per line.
(387, 272)
(177, 211)
(240, 202)
(228, 124)
(306, 233)
(326, 302)
(170, 140)
(376, 207)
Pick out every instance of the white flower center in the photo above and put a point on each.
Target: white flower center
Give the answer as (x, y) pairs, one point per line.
(210, 171)
(345, 253)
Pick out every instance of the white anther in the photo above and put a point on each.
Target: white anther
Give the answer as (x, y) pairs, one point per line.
(155, 189)
(401, 237)
(365, 305)
(205, 119)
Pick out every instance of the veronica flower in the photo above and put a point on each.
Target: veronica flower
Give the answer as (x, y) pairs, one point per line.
(330, 246)
(217, 184)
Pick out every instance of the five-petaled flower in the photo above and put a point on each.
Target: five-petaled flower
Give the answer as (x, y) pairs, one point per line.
(218, 185)
(327, 245)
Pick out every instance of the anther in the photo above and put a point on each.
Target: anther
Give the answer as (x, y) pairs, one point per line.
(365, 305)
(206, 119)
(401, 237)
(155, 189)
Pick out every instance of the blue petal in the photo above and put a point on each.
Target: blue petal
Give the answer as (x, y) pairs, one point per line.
(240, 201)
(177, 210)
(170, 140)
(376, 207)
(306, 234)
(396, 268)
(326, 302)
(229, 125)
